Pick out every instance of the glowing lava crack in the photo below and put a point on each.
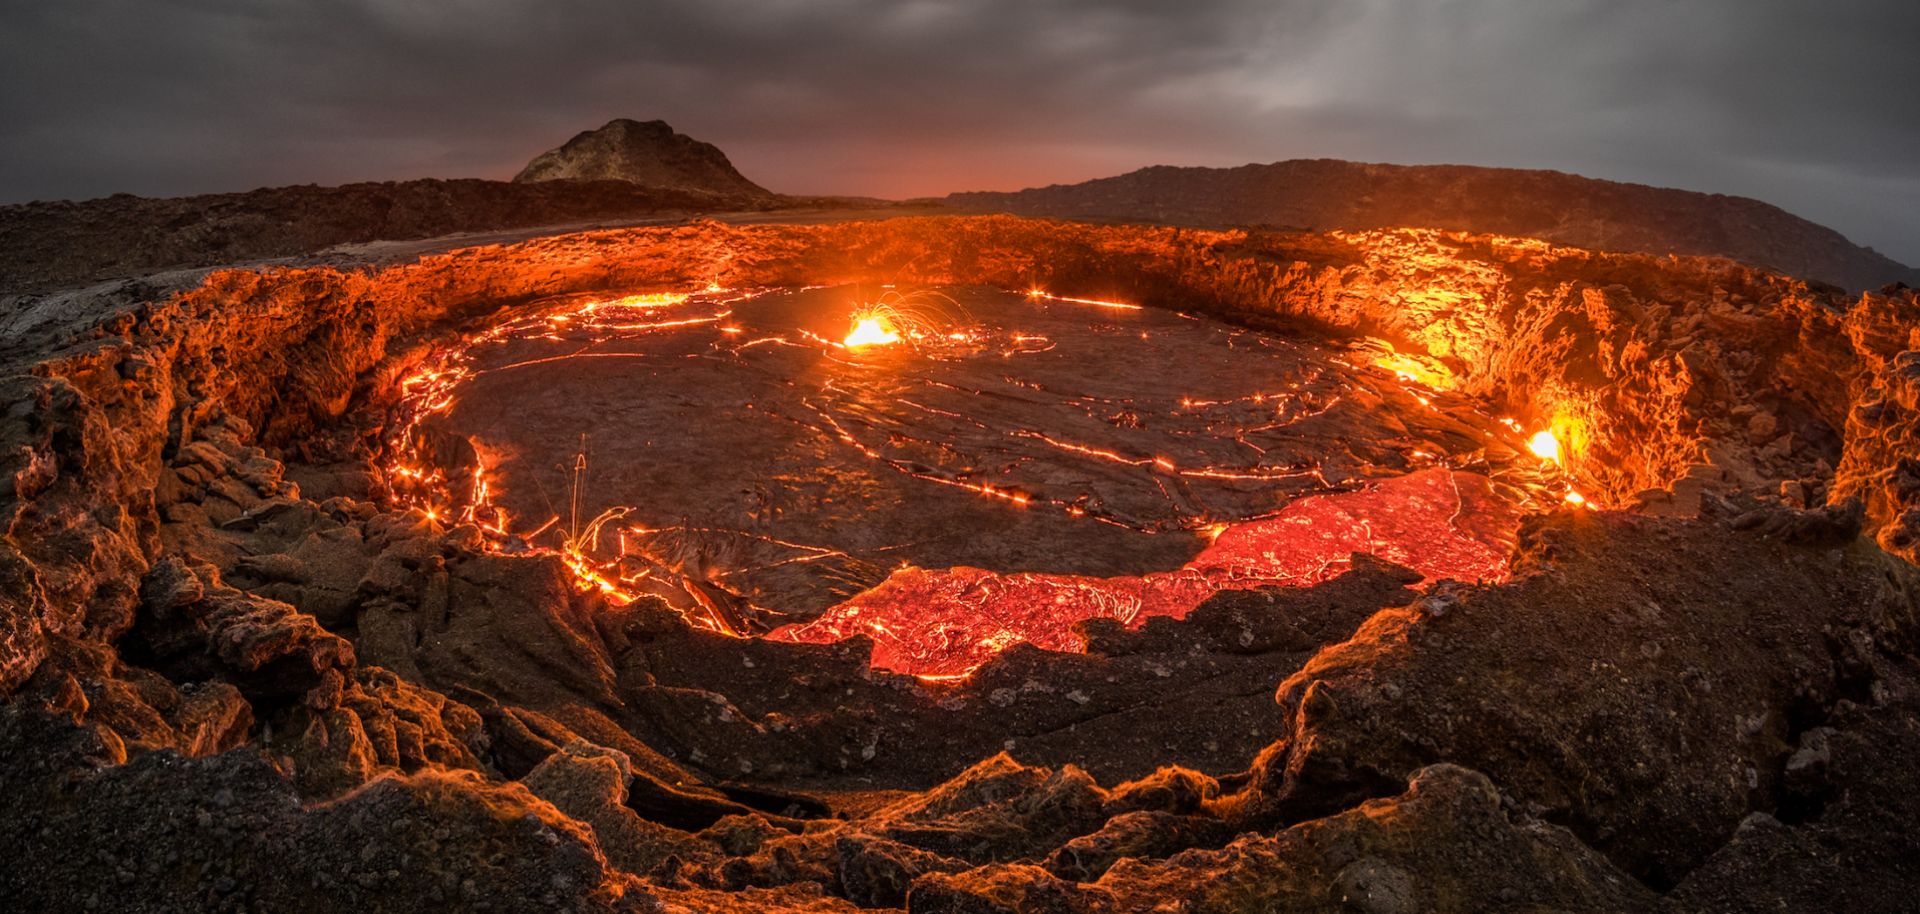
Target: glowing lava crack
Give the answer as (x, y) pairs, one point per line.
(1441, 523)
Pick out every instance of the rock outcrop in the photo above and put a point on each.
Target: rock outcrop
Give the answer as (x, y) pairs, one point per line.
(1322, 194)
(647, 153)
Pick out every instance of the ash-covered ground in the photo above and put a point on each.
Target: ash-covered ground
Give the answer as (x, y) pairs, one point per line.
(247, 669)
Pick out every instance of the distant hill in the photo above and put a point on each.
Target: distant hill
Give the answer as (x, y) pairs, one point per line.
(48, 245)
(622, 171)
(1552, 205)
(648, 153)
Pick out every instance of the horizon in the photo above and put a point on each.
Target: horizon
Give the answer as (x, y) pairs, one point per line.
(938, 195)
(1772, 101)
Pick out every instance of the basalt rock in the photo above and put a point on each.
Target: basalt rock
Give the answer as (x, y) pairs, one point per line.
(1568, 684)
(1841, 801)
(23, 639)
(228, 833)
(129, 710)
(373, 724)
(1419, 850)
(589, 783)
(1444, 843)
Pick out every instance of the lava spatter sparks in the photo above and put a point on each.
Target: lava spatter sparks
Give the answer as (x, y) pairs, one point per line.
(917, 317)
(870, 330)
(752, 469)
(1043, 295)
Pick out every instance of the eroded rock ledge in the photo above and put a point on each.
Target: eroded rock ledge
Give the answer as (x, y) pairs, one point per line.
(235, 683)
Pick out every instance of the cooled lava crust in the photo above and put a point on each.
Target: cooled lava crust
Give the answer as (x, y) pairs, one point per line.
(242, 673)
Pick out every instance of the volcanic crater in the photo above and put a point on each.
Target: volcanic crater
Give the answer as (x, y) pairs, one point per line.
(962, 564)
(1005, 464)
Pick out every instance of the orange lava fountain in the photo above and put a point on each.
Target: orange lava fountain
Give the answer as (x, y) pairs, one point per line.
(870, 330)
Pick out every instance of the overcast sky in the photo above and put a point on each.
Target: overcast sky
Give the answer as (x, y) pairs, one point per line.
(1812, 105)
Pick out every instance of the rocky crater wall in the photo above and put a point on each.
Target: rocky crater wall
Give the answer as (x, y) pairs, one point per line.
(1651, 369)
(195, 561)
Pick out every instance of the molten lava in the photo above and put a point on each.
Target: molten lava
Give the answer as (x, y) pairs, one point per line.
(943, 624)
(870, 330)
(1060, 462)
(1545, 446)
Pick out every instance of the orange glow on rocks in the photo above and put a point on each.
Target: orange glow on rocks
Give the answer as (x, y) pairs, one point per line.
(1413, 369)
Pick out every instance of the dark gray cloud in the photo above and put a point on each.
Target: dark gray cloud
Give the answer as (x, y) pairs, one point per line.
(1813, 106)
